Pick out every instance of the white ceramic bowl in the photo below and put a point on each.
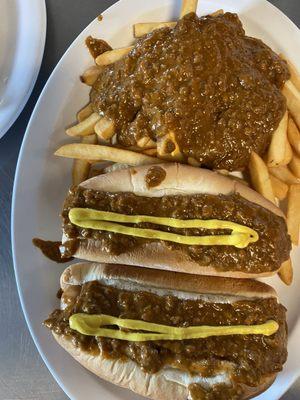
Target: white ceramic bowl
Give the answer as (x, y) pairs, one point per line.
(22, 41)
(42, 181)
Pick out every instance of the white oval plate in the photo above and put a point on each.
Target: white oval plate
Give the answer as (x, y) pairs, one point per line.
(22, 42)
(42, 182)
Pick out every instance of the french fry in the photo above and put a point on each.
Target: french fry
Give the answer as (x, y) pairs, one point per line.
(294, 135)
(111, 56)
(188, 6)
(135, 149)
(286, 272)
(260, 177)
(150, 152)
(90, 75)
(294, 166)
(284, 174)
(288, 154)
(295, 77)
(293, 213)
(105, 129)
(216, 13)
(143, 28)
(280, 188)
(97, 152)
(80, 171)
(293, 100)
(81, 168)
(85, 127)
(168, 149)
(146, 143)
(84, 112)
(276, 152)
(91, 139)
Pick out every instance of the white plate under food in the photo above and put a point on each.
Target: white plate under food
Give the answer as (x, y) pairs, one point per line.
(42, 181)
(22, 42)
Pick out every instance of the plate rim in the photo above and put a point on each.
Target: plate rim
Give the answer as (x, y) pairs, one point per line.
(296, 330)
(38, 7)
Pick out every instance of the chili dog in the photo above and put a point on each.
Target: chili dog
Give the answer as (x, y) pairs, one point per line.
(168, 335)
(175, 217)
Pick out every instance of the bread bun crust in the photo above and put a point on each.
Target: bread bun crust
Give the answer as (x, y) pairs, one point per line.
(127, 374)
(180, 179)
(156, 255)
(136, 277)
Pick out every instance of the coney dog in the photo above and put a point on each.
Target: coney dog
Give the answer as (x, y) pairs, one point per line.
(175, 217)
(168, 335)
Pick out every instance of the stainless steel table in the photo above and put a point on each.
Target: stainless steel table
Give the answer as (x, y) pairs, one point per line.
(22, 372)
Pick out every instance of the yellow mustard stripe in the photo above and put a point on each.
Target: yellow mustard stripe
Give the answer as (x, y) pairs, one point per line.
(240, 237)
(91, 325)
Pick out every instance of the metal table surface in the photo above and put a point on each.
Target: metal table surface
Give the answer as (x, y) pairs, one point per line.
(22, 372)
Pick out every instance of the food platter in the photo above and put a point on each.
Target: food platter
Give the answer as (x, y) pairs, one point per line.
(42, 180)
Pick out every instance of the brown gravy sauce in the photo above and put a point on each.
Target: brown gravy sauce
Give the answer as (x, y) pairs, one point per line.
(96, 46)
(216, 89)
(52, 250)
(154, 177)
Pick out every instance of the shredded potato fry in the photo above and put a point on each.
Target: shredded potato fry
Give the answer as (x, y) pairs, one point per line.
(294, 135)
(90, 75)
(293, 100)
(293, 213)
(294, 166)
(288, 155)
(111, 56)
(84, 112)
(277, 148)
(97, 152)
(85, 127)
(81, 168)
(260, 177)
(217, 13)
(284, 174)
(142, 29)
(286, 272)
(188, 6)
(105, 129)
(168, 148)
(280, 188)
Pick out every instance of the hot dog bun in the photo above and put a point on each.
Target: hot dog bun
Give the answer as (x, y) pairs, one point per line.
(167, 383)
(162, 281)
(164, 385)
(179, 180)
